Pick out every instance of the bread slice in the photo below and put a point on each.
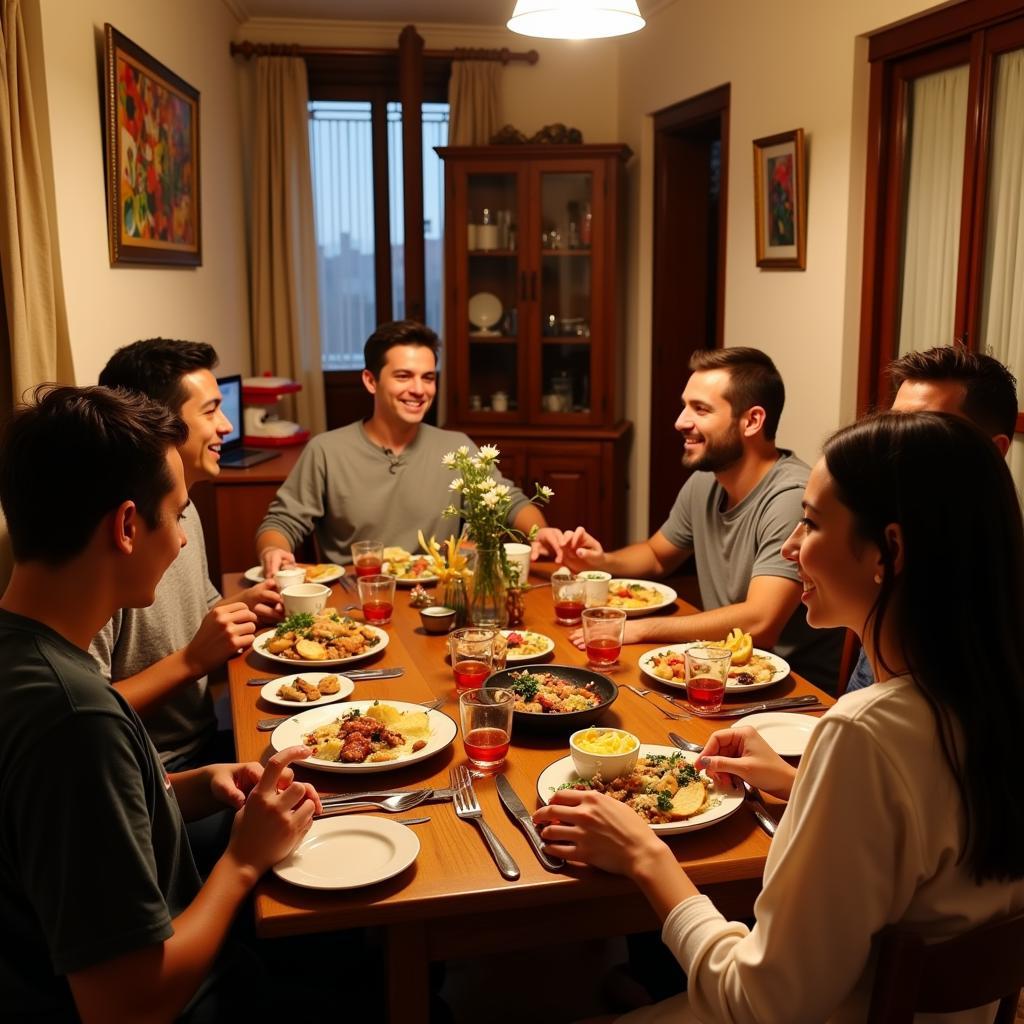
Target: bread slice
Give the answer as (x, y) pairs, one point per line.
(688, 801)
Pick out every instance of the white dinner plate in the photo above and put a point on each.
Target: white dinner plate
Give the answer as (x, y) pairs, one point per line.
(259, 645)
(409, 581)
(269, 692)
(786, 732)
(537, 638)
(668, 595)
(290, 732)
(348, 852)
(730, 799)
(255, 574)
(485, 311)
(780, 665)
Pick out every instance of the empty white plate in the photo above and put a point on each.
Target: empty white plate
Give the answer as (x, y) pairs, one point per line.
(787, 733)
(348, 852)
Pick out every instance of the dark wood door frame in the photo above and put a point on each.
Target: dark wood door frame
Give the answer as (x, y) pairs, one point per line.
(688, 286)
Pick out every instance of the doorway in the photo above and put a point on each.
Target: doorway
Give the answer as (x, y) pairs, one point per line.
(691, 145)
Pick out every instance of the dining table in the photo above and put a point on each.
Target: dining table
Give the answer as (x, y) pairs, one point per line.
(452, 902)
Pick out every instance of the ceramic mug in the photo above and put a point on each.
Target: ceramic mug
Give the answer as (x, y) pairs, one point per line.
(597, 587)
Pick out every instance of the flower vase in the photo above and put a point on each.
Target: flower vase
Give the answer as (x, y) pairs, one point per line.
(487, 600)
(452, 594)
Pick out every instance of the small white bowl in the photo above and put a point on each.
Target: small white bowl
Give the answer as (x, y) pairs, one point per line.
(611, 766)
(305, 597)
(290, 577)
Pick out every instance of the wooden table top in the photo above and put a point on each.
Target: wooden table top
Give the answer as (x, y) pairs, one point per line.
(454, 873)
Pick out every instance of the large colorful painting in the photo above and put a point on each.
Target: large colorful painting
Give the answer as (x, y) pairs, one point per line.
(152, 147)
(780, 200)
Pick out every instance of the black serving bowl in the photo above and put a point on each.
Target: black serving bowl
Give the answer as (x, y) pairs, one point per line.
(559, 722)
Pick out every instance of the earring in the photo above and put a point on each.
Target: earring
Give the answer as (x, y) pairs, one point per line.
(878, 577)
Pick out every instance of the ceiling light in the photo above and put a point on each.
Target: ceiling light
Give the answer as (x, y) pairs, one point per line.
(575, 19)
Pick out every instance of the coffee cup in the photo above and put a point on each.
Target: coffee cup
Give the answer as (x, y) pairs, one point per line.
(518, 556)
(305, 597)
(596, 586)
(289, 576)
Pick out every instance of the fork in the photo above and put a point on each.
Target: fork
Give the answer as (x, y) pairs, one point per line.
(467, 807)
(668, 714)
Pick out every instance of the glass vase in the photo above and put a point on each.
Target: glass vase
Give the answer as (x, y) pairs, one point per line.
(487, 597)
(452, 594)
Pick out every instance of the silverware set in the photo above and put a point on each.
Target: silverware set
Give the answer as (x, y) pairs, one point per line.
(467, 807)
(677, 715)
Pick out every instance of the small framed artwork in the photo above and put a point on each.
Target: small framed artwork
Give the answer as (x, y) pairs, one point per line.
(780, 201)
(151, 125)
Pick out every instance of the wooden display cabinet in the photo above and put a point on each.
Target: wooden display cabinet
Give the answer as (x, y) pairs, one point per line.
(533, 279)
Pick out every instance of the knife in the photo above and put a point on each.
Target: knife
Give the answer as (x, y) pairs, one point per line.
(437, 796)
(779, 704)
(517, 809)
(368, 673)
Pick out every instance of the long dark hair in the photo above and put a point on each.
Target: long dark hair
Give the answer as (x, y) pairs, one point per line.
(958, 601)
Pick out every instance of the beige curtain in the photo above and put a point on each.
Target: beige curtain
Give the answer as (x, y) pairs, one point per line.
(932, 225)
(285, 317)
(37, 347)
(473, 101)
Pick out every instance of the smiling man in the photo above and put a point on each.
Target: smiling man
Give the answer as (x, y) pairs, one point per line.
(380, 478)
(733, 514)
(159, 657)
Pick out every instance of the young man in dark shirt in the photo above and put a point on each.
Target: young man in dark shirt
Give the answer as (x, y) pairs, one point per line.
(104, 914)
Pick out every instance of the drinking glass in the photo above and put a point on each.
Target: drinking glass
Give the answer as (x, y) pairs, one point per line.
(569, 595)
(486, 726)
(368, 557)
(707, 669)
(377, 596)
(602, 635)
(472, 651)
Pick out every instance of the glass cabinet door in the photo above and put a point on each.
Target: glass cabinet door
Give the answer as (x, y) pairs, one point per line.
(493, 290)
(564, 307)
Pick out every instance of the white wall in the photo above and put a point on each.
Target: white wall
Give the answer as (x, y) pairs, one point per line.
(801, 64)
(108, 307)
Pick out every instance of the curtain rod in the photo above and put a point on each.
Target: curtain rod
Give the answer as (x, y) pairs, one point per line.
(247, 50)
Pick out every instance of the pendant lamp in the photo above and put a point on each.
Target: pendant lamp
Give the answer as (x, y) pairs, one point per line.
(575, 19)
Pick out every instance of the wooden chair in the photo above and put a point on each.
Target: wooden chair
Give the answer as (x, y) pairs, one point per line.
(971, 970)
(851, 648)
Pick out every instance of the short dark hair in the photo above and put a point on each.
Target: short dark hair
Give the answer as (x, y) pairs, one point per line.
(990, 389)
(72, 456)
(155, 367)
(753, 380)
(398, 332)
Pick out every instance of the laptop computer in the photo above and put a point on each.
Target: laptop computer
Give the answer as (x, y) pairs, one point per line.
(233, 454)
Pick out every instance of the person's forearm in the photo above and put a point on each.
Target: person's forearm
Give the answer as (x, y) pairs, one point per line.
(272, 539)
(148, 689)
(712, 625)
(660, 878)
(527, 518)
(637, 561)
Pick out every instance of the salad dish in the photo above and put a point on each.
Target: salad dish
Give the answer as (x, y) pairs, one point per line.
(524, 645)
(639, 597)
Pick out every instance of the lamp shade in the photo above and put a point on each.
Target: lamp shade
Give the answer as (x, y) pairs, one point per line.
(575, 19)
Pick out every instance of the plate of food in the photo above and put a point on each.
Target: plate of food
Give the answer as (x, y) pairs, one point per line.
(349, 852)
(407, 568)
(751, 668)
(322, 640)
(786, 732)
(664, 788)
(524, 645)
(556, 698)
(307, 688)
(638, 597)
(320, 573)
(366, 735)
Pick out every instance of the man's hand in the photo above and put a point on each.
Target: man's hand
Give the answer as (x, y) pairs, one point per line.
(230, 784)
(227, 629)
(743, 753)
(573, 548)
(276, 814)
(273, 558)
(264, 601)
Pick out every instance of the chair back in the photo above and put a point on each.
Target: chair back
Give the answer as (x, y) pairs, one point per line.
(979, 967)
(851, 648)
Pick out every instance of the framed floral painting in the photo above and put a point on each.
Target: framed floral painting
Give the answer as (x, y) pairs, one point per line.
(780, 201)
(152, 156)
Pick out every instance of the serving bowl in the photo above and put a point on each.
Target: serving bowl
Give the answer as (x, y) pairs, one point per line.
(437, 619)
(566, 721)
(589, 762)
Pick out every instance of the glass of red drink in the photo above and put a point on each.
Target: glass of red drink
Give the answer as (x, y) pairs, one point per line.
(486, 726)
(707, 669)
(472, 652)
(377, 596)
(368, 557)
(569, 594)
(602, 635)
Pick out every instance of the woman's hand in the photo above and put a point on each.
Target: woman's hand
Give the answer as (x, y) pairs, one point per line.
(743, 753)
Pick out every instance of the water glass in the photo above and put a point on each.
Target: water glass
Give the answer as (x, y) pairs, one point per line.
(377, 596)
(602, 635)
(368, 557)
(472, 651)
(707, 670)
(569, 595)
(486, 726)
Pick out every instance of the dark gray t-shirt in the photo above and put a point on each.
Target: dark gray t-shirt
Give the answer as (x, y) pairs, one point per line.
(94, 859)
(732, 547)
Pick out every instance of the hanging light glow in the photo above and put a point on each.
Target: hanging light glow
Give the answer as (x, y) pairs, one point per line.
(575, 19)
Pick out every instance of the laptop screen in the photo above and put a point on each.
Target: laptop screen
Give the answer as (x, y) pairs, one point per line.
(231, 405)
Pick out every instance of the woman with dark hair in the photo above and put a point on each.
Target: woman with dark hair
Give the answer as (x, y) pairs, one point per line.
(905, 808)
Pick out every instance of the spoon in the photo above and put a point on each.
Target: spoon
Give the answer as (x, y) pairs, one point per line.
(392, 804)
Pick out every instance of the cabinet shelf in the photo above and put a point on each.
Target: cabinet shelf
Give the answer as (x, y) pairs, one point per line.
(565, 252)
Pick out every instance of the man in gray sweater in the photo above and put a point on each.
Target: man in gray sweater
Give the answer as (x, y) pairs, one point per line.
(381, 478)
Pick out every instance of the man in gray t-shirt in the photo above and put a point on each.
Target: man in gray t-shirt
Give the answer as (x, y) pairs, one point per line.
(733, 515)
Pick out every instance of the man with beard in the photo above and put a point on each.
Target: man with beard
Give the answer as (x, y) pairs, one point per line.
(733, 515)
